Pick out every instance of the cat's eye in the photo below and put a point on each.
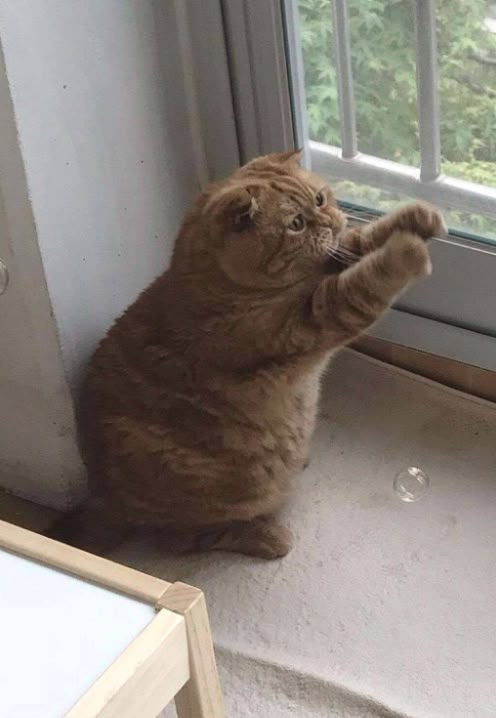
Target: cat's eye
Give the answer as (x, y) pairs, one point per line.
(298, 223)
(320, 199)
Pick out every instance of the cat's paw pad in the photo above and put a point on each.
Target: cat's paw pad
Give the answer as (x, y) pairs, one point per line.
(423, 219)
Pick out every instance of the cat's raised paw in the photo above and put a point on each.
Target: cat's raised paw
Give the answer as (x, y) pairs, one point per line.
(423, 219)
(409, 254)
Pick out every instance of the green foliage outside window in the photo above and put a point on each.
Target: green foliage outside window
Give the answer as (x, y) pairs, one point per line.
(383, 56)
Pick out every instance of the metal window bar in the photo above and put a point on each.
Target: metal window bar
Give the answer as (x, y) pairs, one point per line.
(427, 95)
(365, 169)
(346, 95)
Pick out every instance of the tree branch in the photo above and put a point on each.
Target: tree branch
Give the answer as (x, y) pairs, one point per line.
(474, 86)
(482, 59)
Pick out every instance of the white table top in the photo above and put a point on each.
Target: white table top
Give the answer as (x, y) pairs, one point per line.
(58, 634)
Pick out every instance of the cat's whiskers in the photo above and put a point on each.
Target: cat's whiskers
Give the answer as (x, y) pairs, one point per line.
(346, 256)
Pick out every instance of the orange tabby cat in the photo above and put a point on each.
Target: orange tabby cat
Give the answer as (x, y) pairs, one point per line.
(201, 400)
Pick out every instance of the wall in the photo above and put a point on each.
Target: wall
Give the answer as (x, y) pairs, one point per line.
(106, 149)
(38, 453)
(103, 134)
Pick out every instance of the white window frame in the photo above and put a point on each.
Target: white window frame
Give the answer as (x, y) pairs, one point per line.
(453, 314)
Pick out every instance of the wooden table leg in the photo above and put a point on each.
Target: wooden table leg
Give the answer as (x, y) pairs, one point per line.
(201, 697)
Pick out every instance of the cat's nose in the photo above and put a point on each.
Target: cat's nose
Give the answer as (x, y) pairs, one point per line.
(336, 220)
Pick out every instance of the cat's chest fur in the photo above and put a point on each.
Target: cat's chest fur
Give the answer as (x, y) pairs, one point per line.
(276, 413)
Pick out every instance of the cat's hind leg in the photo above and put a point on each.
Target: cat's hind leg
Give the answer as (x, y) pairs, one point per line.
(263, 537)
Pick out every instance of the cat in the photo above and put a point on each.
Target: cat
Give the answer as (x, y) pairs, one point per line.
(200, 402)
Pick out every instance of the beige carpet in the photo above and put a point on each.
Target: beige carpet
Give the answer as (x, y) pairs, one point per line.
(383, 608)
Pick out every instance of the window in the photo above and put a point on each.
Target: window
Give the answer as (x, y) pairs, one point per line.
(397, 113)
(391, 100)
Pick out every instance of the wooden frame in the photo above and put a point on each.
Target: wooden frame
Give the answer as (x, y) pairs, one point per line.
(172, 657)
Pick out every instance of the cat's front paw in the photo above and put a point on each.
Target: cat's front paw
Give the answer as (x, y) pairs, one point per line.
(409, 255)
(423, 219)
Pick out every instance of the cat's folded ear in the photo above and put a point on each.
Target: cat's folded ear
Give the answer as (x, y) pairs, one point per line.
(233, 205)
(290, 159)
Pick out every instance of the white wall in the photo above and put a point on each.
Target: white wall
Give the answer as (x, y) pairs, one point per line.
(106, 148)
(38, 454)
(103, 133)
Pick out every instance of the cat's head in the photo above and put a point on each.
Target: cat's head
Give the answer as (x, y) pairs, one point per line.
(270, 223)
